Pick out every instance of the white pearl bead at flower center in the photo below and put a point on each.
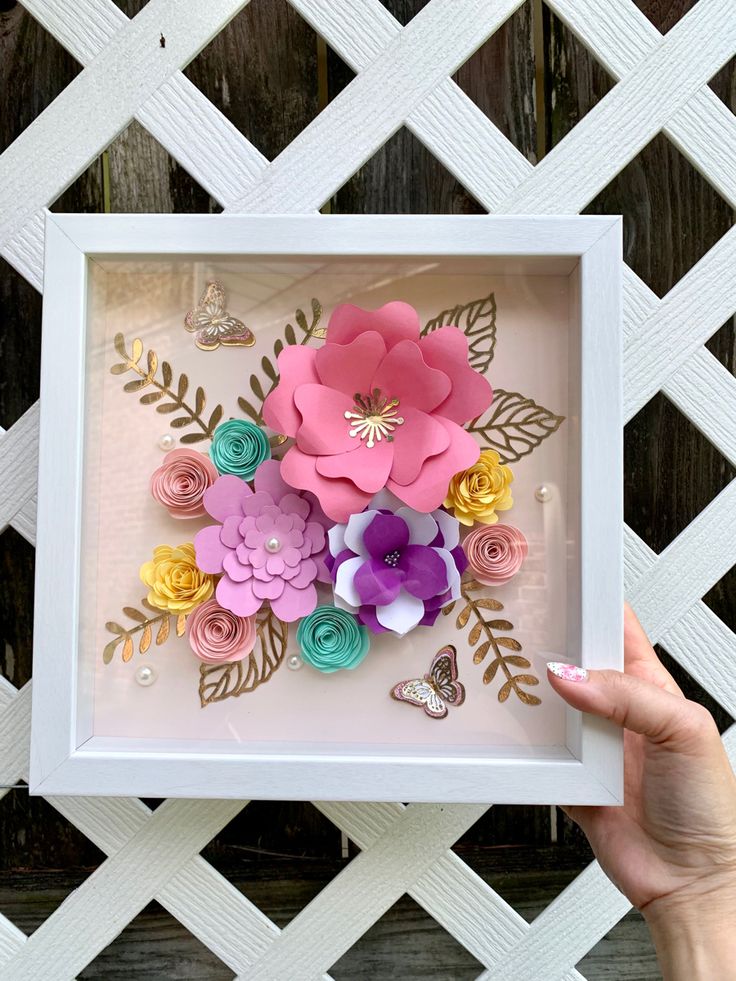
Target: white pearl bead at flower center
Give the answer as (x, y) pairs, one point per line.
(273, 545)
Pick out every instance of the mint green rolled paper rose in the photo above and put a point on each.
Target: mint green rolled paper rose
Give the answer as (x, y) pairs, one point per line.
(239, 447)
(331, 639)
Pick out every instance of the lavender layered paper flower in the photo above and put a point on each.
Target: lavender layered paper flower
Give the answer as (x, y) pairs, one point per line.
(395, 568)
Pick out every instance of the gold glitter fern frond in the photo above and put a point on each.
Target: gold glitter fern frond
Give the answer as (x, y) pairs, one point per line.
(170, 398)
(144, 626)
(489, 636)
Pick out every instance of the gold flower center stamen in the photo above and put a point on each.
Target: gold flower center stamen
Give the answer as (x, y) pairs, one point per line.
(374, 417)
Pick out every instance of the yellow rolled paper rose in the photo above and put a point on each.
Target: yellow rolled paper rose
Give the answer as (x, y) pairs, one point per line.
(476, 494)
(174, 581)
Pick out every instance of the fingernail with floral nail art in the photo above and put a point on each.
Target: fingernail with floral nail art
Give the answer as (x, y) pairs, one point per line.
(568, 672)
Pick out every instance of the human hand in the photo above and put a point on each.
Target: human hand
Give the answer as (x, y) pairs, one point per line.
(671, 847)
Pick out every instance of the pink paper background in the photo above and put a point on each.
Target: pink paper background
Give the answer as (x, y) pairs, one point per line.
(122, 522)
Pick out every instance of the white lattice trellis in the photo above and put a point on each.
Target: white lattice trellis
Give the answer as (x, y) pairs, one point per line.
(403, 79)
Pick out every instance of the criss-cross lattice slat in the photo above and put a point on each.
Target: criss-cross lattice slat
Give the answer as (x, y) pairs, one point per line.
(662, 86)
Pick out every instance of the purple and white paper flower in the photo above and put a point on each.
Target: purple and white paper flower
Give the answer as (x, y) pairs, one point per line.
(395, 568)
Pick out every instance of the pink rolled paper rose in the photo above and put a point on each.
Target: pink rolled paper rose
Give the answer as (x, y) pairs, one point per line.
(495, 553)
(377, 406)
(216, 635)
(181, 480)
(270, 544)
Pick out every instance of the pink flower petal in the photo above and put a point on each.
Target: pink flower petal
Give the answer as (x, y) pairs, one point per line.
(339, 498)
(230, 534)
(262, 574)
(294, 603)
(314, 537)
(257, 557)
(238, 597)
(253, 538)
(209, 550)
(275, 565)
(269, 480)
(349, 367)
(323, 573)
(296, 367)
(447, 349)
(428, 491)
(290, 555)
(324, 428)
(283, 524)
(268, 590)
(307, 573)
(404, 375)
(368, 468)
(253, 506)
(291, 503)
(236, 570)
(421, 437)
(395, 321)
(226, 497)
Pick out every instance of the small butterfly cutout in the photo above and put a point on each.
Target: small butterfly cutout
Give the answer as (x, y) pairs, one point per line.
(437, 689)
(214, 325)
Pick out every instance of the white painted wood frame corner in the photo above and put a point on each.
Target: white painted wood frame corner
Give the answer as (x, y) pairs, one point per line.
(588, 770)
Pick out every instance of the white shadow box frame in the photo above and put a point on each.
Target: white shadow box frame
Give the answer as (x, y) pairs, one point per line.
(69, 757)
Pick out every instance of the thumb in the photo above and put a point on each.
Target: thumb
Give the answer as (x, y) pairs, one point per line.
(634, 704)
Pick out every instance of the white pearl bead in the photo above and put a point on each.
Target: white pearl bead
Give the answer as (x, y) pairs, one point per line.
(145, 676)
(273, 545)
(166, 442)
(543, 493)
(294, 662)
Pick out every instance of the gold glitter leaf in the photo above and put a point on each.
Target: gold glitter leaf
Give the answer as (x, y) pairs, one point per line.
(181, 622)
(512, 645)
(477, 320)
(215, 418)
(144, 626)
(191, 416)
(486, 629)
(150, 397)
(514, 425)
(163, 632)
(189, 438)
(220, 681)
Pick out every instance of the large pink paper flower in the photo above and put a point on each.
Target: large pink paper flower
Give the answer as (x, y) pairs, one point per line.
(377, 406)
(270, 546)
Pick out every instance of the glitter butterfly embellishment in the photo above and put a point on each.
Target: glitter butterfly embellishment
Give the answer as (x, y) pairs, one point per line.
(214, 325)
(437, 689)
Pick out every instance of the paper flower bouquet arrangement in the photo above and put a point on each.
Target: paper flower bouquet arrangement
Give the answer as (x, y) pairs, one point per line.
(364, 494)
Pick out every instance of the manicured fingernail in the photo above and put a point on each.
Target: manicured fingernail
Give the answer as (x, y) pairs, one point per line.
(568, 672)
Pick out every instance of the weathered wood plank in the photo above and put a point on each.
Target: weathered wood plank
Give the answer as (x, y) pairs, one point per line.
(155, 944)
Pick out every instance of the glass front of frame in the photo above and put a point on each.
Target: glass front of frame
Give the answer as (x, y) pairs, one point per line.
(161, 383)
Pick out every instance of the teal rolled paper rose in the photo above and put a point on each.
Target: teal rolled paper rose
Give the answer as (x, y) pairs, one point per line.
(239, 447)
(332, 639)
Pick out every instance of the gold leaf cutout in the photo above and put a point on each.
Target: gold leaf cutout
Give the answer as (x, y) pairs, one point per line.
(514, 425)
(169, 398)
(144, 626)
(220, 681)
(477, 320)
(486, 629)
